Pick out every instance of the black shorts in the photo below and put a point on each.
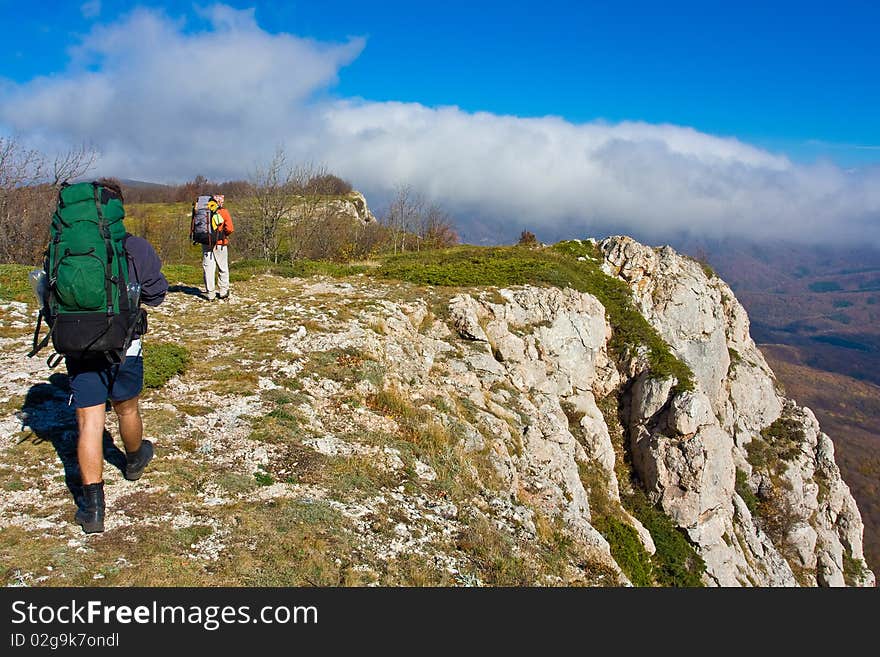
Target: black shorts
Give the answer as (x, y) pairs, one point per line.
(93, 382)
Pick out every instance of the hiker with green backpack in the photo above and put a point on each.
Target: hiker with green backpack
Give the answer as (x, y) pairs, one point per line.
(97, 276)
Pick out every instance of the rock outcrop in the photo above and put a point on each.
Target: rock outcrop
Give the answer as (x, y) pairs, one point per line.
(688, 447)
(352, 206)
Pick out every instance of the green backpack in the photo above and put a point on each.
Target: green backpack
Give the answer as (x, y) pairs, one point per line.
(87, 304)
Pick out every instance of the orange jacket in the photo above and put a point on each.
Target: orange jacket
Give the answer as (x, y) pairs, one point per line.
(226, 228)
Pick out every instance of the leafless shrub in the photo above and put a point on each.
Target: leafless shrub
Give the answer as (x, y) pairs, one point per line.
(29, 183)
(327, 184)
(413, 225)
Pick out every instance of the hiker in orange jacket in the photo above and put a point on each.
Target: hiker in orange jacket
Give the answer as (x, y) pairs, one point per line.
(215, 258)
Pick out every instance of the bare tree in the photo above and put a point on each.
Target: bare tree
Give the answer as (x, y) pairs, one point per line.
(73, 164)
(277, 210)
(327, 184)
(437, 229)
(412, 224)
(29, 183)
(404, 217)
(527, 238)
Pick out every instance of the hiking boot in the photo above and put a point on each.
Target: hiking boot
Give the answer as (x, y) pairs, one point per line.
(90, 514)
(137, 461)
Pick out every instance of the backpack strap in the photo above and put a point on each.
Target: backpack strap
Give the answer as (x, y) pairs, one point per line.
(55, 359)
(105, 233)
(192, 223)
(39, 344)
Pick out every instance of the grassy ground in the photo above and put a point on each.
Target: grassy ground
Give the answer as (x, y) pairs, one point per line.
(242, 491)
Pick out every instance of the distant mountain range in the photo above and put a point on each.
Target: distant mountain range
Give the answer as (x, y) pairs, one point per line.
(141, 184)
(824, 300)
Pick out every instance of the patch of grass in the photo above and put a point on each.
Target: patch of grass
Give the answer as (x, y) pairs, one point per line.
(289, 543)
(234, 482)
(559, 266)
(245, 269)
(608, 518)
(745, 492)
(263, 478)
(441, 404)
(676, 562)
(162, 361)
(186, 536)
(500, 560)
(162, 421)
(391, 403)
(494, 555)
(627, 549)
(436, 445)
(28, 552)
(277, 427)
(193, 409)
(14, 283)
(349, 474)
(283, 397)
(735, 358)
(10, 332)
(413, 569)
(779, 443)
(345, 366)
(183, 274)
(12, 485)
(854, 570)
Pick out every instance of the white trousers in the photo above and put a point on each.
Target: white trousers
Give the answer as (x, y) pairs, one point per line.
(216, 261)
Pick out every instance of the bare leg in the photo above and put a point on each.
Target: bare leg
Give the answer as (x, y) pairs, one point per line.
(90, 447)
(131, 426)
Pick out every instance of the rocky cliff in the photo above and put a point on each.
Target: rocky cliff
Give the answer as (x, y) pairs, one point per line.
(352, 206)
(705, 454)
(364, 430)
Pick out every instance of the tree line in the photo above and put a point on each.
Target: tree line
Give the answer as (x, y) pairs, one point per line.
(283, 211)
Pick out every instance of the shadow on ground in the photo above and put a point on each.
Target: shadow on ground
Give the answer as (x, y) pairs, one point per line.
(50, 418)
(187, 289)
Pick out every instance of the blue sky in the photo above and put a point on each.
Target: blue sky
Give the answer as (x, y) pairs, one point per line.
(799, 77)
(708, 118)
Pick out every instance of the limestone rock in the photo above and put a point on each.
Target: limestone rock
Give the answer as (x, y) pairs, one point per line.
(687, 446)
(352, 206)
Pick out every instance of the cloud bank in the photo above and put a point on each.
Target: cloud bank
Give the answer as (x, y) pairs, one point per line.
(165, 100)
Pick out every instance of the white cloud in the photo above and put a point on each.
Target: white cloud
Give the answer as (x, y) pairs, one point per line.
(166, 100)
